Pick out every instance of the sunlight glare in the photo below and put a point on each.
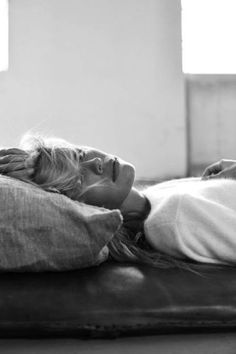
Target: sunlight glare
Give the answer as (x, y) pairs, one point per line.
(3, 35)
(208, 36)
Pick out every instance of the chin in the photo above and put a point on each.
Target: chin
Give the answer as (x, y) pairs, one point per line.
(130, 178)
(128, 174)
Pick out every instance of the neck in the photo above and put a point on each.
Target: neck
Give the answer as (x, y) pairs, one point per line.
(135, 204)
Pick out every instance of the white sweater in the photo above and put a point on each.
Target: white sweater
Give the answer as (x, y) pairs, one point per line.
(192, 218)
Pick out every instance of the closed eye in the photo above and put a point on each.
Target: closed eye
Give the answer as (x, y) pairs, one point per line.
(82, 155)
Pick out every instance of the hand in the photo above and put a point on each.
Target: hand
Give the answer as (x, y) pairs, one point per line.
(221, 169)
(13, 163)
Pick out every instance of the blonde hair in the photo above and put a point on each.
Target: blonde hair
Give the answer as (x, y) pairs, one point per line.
(127, 246)
(55, 162)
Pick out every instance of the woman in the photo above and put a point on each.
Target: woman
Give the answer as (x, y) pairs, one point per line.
(172, 223)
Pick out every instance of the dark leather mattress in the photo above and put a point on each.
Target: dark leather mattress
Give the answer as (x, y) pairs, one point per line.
(114, 300)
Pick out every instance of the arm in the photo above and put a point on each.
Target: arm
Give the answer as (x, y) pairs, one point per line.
(221, 169)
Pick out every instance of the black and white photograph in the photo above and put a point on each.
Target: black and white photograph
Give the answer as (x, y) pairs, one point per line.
(117, 176)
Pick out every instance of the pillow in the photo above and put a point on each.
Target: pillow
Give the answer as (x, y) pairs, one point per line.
(43, 231)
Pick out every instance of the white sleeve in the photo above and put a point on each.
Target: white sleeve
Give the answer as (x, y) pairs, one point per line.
(206, 229)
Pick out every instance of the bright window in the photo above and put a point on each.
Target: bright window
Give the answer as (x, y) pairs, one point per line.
(3, 35)
(209, 36)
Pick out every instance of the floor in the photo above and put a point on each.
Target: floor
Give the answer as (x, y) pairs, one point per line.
(221, 343)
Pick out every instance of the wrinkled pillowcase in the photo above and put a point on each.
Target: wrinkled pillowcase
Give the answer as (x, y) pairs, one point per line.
(43, 231)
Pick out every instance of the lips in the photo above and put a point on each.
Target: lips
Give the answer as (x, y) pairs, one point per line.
(115, 169)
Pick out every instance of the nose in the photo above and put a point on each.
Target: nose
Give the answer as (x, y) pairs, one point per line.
(95, 164)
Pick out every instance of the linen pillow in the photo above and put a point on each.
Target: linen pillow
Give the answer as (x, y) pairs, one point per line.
(43, 231)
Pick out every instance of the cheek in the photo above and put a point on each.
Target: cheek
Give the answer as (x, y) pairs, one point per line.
(110, 196)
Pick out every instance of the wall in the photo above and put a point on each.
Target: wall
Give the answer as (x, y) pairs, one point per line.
(212, 118)
(105, 73)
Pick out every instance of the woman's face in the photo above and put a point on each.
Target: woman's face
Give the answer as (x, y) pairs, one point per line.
(106, 179)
